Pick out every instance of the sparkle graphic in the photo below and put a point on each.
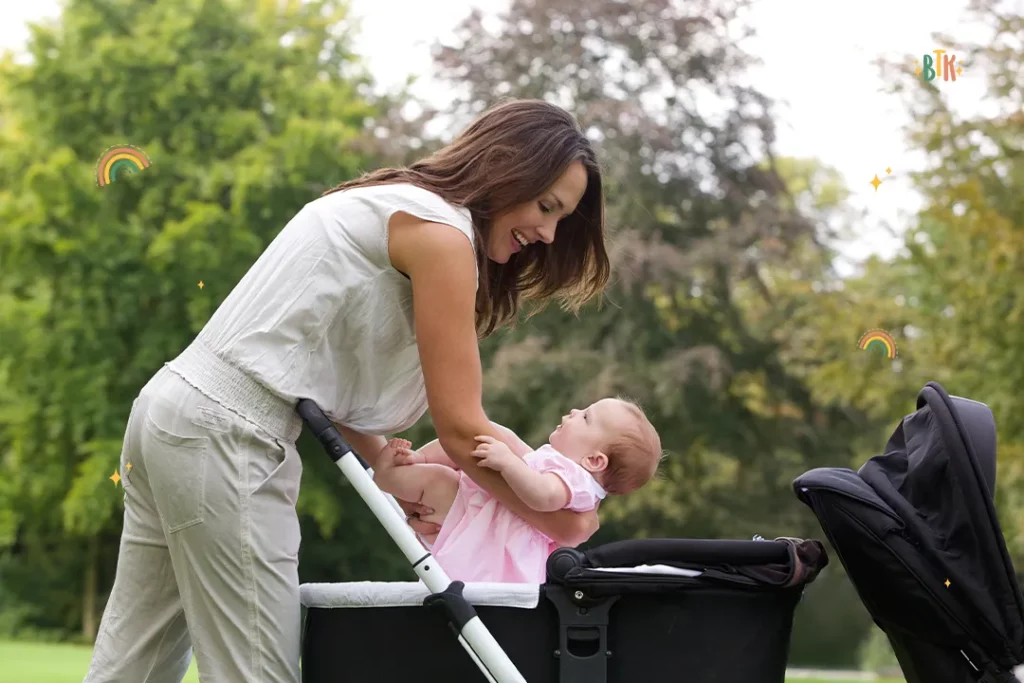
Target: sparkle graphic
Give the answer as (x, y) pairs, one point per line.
(876, 181)
(947, 583)
(115, 477)
(200, 284)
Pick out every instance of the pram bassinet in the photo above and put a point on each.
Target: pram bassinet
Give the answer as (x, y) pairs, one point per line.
(652, 610)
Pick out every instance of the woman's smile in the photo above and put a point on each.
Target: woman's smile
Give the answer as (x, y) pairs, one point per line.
(539, 216)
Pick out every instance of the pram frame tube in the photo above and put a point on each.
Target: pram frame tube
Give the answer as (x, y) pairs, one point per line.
(472, 634)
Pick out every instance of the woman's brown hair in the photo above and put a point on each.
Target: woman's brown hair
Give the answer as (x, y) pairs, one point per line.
(511, 154)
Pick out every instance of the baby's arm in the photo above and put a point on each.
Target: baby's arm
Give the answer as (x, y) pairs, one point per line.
(543, 492)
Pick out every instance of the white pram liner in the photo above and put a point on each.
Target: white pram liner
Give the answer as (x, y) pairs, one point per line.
(412, 593)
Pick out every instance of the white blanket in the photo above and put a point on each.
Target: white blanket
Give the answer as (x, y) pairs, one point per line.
(412, 593)
(649, 569)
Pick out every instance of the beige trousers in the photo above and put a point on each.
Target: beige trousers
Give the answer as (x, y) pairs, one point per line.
(209, 549)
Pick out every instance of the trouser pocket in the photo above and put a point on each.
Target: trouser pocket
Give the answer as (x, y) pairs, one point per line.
(175, 450)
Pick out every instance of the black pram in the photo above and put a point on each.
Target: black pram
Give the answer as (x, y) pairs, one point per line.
(648, 610)
(917, 532)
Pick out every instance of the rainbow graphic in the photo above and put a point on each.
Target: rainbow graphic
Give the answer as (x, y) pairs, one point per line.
(879, 340)
(119, 160)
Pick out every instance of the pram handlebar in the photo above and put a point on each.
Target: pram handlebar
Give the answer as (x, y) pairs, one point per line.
(325, 431)
(474, 637)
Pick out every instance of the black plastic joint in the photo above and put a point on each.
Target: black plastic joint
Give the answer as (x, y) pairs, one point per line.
(583, 650)
(336, 447)
(455, 607)
(324, 430)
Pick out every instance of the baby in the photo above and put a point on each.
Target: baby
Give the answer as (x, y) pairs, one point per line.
(607, 448)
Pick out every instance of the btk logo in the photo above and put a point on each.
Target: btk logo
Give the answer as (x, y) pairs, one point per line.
(942, 65)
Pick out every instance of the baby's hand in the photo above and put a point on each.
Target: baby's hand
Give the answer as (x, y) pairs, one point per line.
(493, 454)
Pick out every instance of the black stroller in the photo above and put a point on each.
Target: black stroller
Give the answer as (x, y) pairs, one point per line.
(648, 609)
(917, 532)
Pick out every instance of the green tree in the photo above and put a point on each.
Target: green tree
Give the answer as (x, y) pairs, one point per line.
(247, 110)
(698, 210)
(952, 298)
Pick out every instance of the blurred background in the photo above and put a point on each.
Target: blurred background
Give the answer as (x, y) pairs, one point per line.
(751, 250)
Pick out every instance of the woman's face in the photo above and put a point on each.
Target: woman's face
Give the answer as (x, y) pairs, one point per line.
(536, 220)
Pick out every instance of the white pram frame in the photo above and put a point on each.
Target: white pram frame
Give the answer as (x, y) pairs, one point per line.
(474, 637)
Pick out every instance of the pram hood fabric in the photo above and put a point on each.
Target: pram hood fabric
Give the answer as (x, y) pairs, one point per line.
(917, 531)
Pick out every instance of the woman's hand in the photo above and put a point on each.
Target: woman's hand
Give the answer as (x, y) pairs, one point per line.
(413, 512)
(397, 453)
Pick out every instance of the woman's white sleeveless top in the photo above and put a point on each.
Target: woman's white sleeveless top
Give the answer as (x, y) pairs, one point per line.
(323, 314)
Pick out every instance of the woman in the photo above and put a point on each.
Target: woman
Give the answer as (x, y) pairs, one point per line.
(371, 302)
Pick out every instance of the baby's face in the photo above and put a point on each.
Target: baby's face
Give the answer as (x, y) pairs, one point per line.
(585, 432)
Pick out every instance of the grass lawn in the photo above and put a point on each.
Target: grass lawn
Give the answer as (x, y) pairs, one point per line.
(50, 663)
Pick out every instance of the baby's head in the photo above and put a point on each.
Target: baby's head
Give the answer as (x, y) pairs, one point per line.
(613, 440)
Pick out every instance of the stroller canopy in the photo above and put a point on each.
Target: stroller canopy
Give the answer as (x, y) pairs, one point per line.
(921, 518)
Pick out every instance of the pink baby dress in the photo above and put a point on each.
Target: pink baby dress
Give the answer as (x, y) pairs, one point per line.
(482, 540)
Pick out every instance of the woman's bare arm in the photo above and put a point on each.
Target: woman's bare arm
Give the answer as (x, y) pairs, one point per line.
(432, 453)
(366, 446)
(440, 262)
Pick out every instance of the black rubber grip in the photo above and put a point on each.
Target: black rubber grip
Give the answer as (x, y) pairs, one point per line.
(324, 430)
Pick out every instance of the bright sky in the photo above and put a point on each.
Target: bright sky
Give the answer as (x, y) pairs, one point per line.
(817, 62)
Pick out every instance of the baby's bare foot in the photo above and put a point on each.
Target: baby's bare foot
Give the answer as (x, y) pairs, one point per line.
(407, 457)
(399, 444)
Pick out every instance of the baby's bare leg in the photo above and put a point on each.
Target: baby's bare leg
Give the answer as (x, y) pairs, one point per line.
(428, 484)
(433, 453)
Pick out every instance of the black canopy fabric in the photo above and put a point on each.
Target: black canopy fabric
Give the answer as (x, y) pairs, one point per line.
(917, 531)
(782, 563)
(937, 480)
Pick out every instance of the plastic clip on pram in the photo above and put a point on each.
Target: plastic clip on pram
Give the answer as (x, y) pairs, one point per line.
(478, 642)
